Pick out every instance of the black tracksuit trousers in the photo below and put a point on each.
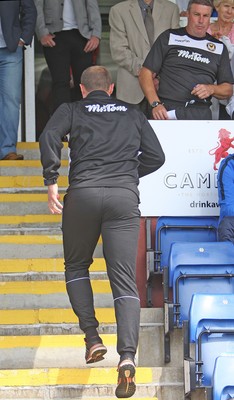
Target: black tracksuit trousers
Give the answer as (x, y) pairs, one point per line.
(112, 213)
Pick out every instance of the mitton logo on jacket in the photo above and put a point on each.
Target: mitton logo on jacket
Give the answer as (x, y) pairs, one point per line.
(105, 108)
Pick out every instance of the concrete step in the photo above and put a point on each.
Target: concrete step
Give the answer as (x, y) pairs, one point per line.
(36, 246)
(21, 204)
(25, 265)
(22, 181)
(64, 322)
(60, 321)
(51, 351)
(83, 398)
(31, 151)
(50, 316)
(43, 284)
(31, 230)
(67, 349)
(27, 190)
(40, 329)
(34, 294)
(68, 383)
(69, 393)
(27, 167)
(66, 316)
(46, 276)
(30, 221)
(18, 203)
(26, 209)
(27, 174)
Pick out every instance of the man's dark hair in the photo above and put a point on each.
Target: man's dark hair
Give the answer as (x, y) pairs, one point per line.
(208, 3)
(96, 78)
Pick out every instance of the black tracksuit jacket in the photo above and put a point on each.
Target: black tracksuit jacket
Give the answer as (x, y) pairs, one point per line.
(111, 143)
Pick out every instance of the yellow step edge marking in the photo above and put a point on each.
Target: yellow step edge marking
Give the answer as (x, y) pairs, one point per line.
(33, 239)
(27, 145)
(50, 341)
(24, 197)
(29, 219)
(111, 398)
(51, 316)
(28, 181)
(33, 145)
(68, 376)
(47, 287)
(43, 265)
(28, 163)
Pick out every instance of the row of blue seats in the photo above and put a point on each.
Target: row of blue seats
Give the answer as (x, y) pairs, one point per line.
(174, 229)
(209, 336)
(199, 272)
(197, 267)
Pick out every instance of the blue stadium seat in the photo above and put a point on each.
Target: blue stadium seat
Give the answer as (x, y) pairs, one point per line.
(223, 377)
(210, 310)
(206, 267)
(211, 329)
(182, 229)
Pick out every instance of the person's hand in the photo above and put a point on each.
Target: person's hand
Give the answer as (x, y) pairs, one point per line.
(47, 40)
(184, 13)
(202, 91)
(91, 44)
(159, 112)
(21, 43)
(217, 34)
(54, 204)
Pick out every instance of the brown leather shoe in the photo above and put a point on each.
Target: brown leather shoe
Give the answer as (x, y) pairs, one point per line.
(13, 156)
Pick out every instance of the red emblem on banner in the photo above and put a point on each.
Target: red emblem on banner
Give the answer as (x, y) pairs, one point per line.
(224, 144)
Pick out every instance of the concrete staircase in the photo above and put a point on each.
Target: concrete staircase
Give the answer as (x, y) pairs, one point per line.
(42, 347)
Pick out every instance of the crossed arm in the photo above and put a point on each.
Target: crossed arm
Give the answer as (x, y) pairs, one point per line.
(220, 91)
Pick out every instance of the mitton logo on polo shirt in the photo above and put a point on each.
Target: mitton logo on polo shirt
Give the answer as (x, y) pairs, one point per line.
(192, 55)
(105, 108)
(211, 46)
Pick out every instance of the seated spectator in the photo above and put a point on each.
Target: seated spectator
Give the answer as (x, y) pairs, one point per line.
(224, 24)
(192, 67)
(223, 29)
(226, 199)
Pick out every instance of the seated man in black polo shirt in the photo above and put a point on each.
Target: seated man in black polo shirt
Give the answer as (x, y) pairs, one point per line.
(192, 66)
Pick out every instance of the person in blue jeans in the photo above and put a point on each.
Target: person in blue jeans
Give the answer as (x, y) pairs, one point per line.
(17, 24)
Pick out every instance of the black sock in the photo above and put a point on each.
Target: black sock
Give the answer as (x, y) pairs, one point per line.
(92, 335)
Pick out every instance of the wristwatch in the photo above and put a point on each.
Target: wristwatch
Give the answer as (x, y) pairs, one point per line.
(155, 104)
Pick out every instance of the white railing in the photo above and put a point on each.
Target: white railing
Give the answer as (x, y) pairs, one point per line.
(27, 129)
